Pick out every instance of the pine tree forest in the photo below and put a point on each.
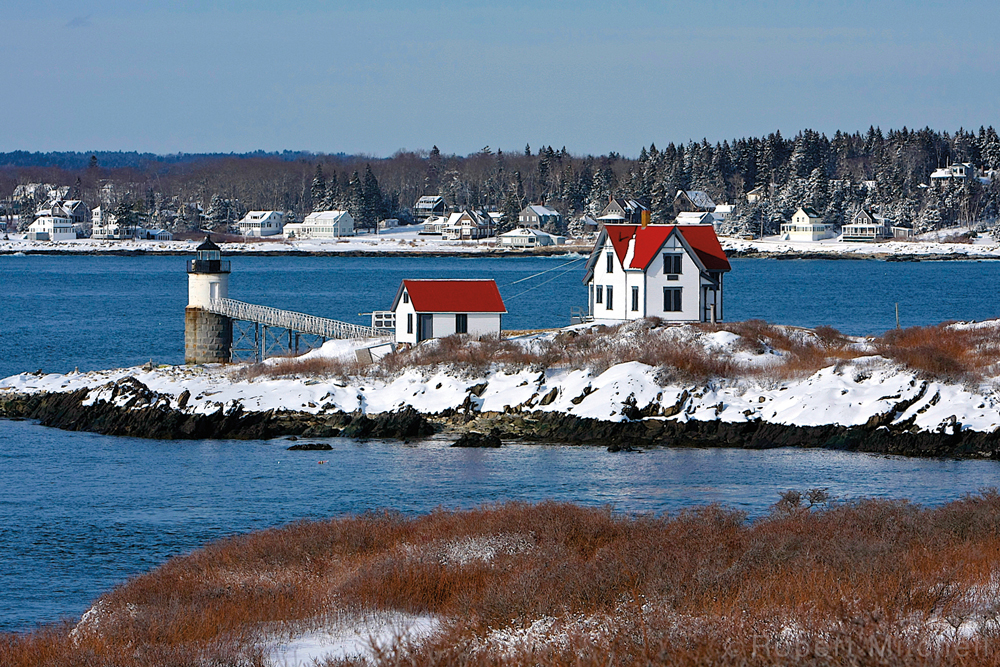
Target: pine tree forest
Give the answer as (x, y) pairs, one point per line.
(886, 173)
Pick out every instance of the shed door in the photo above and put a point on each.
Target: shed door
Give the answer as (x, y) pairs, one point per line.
(425, 327)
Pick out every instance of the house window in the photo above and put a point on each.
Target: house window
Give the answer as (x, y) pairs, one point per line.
(610, 305)
(672, 264)
(409, 323)
(600, 294)
(611, 263)
(635, 298)
(461, 323)
(406, 297)
(671, 299)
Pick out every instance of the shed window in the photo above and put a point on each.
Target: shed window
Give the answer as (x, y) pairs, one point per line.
(409, 323)
(672, 299)
(406, 297)
(461, 323)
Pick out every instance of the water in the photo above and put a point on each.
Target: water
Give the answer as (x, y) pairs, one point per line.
(61, 313)
(81, 512)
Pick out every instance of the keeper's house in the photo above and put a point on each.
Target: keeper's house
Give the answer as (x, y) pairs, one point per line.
(673, 272)
(438, 308)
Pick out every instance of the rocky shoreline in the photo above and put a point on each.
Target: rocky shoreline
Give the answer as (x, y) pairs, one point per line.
(144, 415)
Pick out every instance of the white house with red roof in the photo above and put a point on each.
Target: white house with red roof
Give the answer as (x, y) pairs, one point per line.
(438, 308)
(673, 272)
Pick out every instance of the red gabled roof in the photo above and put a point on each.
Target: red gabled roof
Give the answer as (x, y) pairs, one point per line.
(454, 296)
(620, 235)
(705, 243)
(649, 240)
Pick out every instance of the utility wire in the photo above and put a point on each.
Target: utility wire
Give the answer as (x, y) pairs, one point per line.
(555, 268)
(558, 275)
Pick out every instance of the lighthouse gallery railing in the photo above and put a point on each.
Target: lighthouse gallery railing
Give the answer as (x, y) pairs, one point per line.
(287, 319)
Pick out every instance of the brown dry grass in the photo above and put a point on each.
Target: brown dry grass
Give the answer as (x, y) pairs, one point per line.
(866, 582)
(942, 352)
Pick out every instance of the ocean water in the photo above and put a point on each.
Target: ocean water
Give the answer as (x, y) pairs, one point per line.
(80, 513)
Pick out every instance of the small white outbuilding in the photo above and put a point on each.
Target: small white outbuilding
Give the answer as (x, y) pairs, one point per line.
(437, 308)
(525, 237)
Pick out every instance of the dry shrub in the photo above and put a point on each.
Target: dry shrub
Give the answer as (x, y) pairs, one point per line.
(702, 587)
(291, 367)
(944, 352)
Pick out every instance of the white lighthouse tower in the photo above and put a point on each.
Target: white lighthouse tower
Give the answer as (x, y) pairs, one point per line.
(208, 337)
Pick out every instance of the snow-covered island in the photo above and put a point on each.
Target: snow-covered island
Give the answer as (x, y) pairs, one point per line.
(930, 391)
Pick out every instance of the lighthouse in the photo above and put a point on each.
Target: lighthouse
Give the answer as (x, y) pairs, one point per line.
(208, 337)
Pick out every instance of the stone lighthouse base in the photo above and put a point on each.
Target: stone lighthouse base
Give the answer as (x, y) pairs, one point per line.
(208, 338)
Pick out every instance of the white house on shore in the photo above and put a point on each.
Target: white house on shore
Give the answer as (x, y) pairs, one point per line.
(524, 237)
(321, 225)
(866, 226)
(673, 272)
(467, 226)
(262, 223)
(437, 308)
(806, 225)
(52, 224)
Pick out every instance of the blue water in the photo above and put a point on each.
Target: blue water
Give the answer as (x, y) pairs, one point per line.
(60, 313)
(80, 512)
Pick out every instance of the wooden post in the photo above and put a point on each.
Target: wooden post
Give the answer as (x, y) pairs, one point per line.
(897, 314)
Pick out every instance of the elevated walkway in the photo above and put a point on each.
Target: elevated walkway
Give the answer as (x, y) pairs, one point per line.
(261, 331)
(299, 322)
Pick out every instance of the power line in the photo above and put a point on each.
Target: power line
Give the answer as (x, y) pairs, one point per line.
(555, 268)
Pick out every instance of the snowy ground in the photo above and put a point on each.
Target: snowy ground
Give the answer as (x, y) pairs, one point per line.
(848, 393)
(396, 240)
(927, 244)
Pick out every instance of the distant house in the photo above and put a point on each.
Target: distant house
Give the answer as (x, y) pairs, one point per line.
(539, 216)
(758, 193)
(673, 272)
(723, 213)
(158, 235)
(434, 225)
(866, 226)
(105, 227)
(262, 223)
(806, 225)
(428, 206)
(689, 201)
(388, 223)
(622, 211)
(427, 309)
(959, 172)
(694, 218)
(525, 237)
(76, 210)
(52, 224)
(321, 225)
(467, 226)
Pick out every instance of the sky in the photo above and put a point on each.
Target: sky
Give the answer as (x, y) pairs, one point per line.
(378, 76)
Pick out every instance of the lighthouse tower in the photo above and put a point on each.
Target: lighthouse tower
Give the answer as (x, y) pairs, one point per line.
(208, 337)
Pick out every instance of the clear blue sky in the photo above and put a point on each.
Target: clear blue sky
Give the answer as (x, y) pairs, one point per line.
(376, 76)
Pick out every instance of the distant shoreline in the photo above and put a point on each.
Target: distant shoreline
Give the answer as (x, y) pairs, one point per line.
(541, 252)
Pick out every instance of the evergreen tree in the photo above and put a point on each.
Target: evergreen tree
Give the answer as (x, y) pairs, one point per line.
(527, 150)
(317, 191)
(373, 205)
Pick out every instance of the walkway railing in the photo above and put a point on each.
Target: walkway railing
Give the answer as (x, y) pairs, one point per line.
(287, 319)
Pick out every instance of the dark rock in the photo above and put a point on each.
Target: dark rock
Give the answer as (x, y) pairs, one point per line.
(489, 440)
(311, 447)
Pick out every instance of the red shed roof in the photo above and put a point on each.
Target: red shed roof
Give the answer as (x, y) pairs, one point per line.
(452, 296)
(649, 240)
